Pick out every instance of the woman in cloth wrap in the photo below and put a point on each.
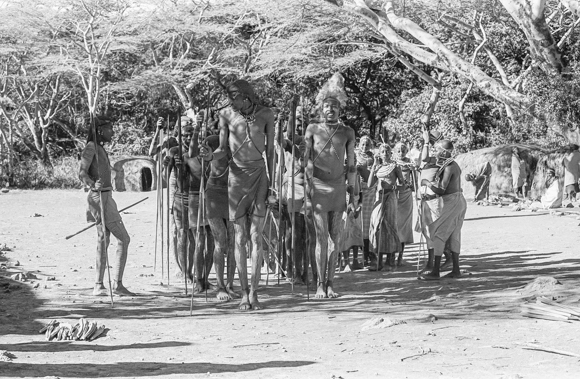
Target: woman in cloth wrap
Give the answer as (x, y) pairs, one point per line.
(519, 173)
(328, 145)
(480, 178)
(444, 216)
(384, 233)
(98, 179)
(405, 198)
(364, 163)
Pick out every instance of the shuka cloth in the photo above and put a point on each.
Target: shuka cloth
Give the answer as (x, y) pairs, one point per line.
(481, 180)
(216, 201)
(109, 205)
(329, 196)
(352, 235)
(552, 198)
(193, 211)
(519, 173)
(571, 162)
(384, 236)
(247, 189)
(405, 214)
(298, 203)
(443, 218)
(368, 202)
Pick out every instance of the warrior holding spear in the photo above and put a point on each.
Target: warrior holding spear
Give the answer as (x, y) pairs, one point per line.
(95, 172)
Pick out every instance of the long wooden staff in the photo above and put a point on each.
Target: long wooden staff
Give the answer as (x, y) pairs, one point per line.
(280, 179)
(94, 223)
(158, 219)
(308, 187)
(202, 193)
(167, 175)
(184, 213)
(307, 245)
(292, 196)
(102, 205)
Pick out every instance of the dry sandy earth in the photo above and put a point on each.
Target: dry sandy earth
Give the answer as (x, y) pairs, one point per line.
(477, 331)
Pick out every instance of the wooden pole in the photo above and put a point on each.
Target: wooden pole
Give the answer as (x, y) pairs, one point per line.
(184, 213)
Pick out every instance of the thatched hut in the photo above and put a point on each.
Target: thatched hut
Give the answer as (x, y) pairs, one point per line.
(136, 174)
(500, 157)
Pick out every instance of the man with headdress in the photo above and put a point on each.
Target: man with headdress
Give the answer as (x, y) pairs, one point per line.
(95, 173)
(329, 144)
(364, 162)
(480, 178)
(405, 201)
(247, 128)
(443, 215)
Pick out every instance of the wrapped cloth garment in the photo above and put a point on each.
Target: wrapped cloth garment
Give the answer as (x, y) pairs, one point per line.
(193, 211)
(443, 219)
(216, 201)
(405, 214)
(519, 172)
(247, 189)
(329, 196)
(384, 236)
(368, 202)
(352, 235)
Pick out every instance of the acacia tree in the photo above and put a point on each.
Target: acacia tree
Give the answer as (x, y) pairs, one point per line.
(535, 19)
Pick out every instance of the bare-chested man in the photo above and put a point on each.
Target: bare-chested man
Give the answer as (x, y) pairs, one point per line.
(328, 145)
(444, 223)
(98, 178)
(217, 210)
(248, 129)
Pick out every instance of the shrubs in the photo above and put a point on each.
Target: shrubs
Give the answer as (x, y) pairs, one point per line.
(32, 174)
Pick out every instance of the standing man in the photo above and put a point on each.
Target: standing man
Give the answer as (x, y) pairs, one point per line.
(444, 223)
(571, 164)
(519, 173)
(328, 145)
(248, 128)
(98, 178)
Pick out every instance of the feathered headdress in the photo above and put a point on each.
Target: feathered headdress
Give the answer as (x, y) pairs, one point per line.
(333, 88)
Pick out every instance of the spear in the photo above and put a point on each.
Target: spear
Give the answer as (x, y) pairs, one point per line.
(167, 213)
(307, 250)
(293, 215)
(181, 173)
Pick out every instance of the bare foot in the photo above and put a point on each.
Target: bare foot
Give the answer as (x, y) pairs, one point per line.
(356, 266)
(254, 303)
(223, 295)
(453, 275)
(320, 292)
(426, 269)
(198, 288)
(120, 290)
(448, 262)
(245, 304)
(232, 293)
(210, 287)
(298, 281)
(429, 276)
(401, 263)
(99, 290)
(330, 292)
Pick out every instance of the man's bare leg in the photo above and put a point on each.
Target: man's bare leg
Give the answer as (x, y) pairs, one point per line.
(336, 229)
(321, 225)
(241, 236)
(101, 262)
(231, 272)
(202, 262)
(219, 231)
(456, 272)
(117, 229)
(256, 230)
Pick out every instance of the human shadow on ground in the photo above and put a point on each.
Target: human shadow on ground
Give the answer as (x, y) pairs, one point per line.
(45, 346)
(505, 216)
(136, 369)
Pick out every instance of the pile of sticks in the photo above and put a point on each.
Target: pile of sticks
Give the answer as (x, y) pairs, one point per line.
(547, 309)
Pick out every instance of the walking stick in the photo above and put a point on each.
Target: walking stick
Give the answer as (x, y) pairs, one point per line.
(167, 213)
(102, 206)
(292, 196)
(307, 250)
(202, 194)
(280, 179)
(184, 213)
(94, 223)
(159, 214)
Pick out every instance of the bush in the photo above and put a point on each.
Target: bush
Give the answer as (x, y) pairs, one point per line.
(33, 174)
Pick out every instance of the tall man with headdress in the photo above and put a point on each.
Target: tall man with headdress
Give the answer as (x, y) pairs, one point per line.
(329, 144)
(443, 216)
(247, 128)
(98, 178)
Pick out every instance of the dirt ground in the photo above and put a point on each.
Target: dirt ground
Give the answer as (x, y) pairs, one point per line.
(467, 328)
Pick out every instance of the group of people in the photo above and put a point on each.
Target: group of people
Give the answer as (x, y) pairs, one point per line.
(324, 195)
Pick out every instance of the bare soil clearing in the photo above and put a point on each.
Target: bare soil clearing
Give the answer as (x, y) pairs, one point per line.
(383, 324)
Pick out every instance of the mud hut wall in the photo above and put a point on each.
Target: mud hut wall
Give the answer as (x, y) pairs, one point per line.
(500, 158)
(127, 173)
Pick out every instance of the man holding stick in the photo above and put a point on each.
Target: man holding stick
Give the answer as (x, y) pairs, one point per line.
(247, 128)
(95, 172)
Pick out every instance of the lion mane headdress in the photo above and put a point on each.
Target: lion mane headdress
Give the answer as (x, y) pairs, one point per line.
(333, 88)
